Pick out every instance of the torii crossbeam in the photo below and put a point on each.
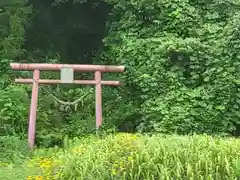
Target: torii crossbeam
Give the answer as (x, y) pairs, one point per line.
(67, 71)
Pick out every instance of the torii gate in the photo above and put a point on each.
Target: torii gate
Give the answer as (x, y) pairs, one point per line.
(67, 77)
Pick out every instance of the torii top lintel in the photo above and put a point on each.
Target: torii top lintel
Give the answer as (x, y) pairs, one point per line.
(76, 67)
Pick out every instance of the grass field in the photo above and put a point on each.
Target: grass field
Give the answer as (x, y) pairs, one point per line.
(127, 156)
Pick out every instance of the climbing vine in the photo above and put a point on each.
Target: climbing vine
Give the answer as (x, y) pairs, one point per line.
(182, 60)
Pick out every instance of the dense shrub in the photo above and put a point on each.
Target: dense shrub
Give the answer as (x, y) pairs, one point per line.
(126, 156)
(12, 149)
(182, 62)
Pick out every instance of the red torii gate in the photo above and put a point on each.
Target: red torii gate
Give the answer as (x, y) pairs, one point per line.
(71, 68)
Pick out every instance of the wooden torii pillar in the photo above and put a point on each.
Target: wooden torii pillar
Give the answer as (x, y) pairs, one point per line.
(67, 77)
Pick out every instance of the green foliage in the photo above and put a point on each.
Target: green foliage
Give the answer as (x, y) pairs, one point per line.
(182, 62)
(14, 110)
(55, 120)
(181, 57)
(13, 20)
(13, 99)
(12, 149)
(126, 156)
(39, 33)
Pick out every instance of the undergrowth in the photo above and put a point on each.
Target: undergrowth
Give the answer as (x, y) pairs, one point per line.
(128, 156)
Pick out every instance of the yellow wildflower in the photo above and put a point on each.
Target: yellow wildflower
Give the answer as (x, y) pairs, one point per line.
(79, 150)
(114, 172)
(130, 158)
(46, 163)
(29, 178)
(38, 178)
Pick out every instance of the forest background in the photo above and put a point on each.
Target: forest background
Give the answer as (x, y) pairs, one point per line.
(181, 56)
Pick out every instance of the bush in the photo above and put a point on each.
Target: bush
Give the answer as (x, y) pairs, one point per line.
(182, 62)
(127, 156)
(13, 150)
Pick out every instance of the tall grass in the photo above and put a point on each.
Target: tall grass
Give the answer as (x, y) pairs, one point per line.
(135, 157)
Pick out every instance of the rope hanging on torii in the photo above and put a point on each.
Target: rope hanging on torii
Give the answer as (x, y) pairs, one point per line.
(66, 104)
(67, 77)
